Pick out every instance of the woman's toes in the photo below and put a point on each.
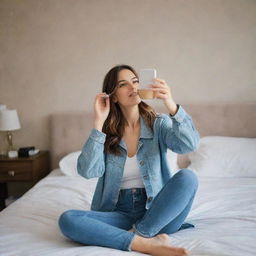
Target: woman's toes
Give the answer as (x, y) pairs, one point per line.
(182, 252)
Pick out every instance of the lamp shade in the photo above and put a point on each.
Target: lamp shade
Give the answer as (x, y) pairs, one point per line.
(9, 120)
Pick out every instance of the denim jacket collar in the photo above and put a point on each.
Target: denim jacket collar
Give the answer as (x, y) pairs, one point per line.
(145, 130)
(145, 133)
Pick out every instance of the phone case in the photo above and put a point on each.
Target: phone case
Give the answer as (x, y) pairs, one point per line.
(146, 77)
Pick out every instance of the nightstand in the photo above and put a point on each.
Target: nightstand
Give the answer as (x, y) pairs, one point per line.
(22, 169)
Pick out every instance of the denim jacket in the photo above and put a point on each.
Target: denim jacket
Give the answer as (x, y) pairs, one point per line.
(177, 133)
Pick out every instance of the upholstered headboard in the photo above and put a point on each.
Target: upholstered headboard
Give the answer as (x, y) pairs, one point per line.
(69, 131)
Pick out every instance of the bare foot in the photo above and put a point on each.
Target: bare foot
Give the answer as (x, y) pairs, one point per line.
(159, 245)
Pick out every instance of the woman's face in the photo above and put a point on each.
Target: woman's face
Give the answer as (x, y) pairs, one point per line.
(127, 86)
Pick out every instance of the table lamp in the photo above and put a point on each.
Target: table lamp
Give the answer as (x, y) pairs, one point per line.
(9, 121)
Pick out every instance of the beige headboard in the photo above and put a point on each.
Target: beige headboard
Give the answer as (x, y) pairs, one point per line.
(69, 131)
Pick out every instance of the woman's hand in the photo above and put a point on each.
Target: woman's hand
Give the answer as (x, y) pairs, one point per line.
(163, 91)
(101, 110)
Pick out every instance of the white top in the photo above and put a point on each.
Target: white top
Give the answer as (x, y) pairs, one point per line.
(131, 175)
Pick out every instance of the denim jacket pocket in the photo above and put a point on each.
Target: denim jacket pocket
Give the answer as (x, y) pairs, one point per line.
(112, 163)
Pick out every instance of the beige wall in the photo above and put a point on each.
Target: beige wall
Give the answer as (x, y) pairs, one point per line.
(54, 54)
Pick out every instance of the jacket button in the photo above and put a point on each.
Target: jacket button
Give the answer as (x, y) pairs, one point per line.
(141, 163)
(150, 198)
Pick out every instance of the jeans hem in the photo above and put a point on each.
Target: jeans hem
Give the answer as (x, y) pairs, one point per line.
(128, 242)
(130, 245)
(139, 233)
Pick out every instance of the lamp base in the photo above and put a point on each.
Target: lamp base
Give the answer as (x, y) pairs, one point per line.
(12, 154)
(9, 137)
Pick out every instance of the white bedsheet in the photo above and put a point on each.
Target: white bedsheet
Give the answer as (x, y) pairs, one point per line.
(224, 213)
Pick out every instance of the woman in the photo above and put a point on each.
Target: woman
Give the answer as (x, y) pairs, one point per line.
(137, 202)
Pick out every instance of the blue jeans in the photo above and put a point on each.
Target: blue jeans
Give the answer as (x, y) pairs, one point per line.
(109, 229)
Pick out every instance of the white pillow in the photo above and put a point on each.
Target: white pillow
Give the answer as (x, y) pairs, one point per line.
(68, 164)
(220, 156)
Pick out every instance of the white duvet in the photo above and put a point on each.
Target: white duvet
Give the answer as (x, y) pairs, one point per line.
(224, 213)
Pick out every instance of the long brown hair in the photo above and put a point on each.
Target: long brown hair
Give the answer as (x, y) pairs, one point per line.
(115, 123)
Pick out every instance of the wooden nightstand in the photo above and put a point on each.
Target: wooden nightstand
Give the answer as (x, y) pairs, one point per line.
(22, 169)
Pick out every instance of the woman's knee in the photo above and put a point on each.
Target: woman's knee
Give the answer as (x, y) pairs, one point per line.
(66, 221)
(188, 177)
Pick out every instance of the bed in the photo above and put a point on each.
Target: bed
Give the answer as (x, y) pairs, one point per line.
(224, 210)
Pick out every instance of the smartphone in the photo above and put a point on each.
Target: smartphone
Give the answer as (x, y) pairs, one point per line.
(146, 77)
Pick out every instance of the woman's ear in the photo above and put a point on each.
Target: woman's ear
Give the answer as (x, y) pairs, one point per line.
(114, 99)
